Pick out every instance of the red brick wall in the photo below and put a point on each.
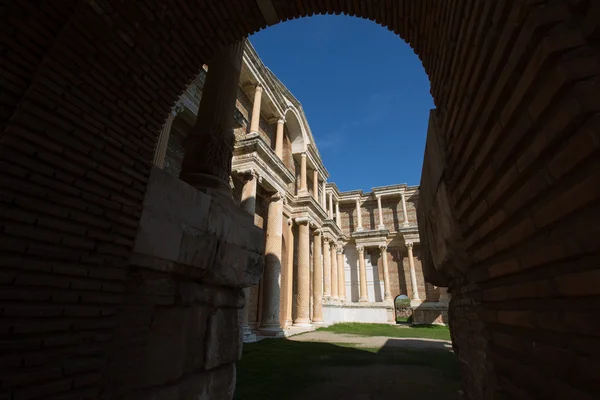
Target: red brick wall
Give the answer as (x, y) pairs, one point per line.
(515, 83)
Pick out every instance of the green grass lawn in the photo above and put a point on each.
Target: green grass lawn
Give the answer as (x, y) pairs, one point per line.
(413, 331)
(276, 368)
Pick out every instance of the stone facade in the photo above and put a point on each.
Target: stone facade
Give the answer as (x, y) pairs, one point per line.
(508, 191)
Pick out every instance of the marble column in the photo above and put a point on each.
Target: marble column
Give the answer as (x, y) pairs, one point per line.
(387, 295)
(381, 224)
(334, 270)
(338, 218)
(279, 138)
(290, 273)
(326, 269)
(249, 205)
(316, 185)
(330, 208)
(303, 280)
(163, 140)
(206, 164)
(358, 216)
(404, 211)
(323, 196)
(255, 119)
(270, 324)
(413, 274)
(303, 186)
(317, 279)
(362, 269)
(341, 272)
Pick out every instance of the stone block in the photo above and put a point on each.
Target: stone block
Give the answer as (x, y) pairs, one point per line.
(159, 235)
(181, 201)
(197, 249)
(166, 346)
(195, 340)
(224, 338)
(229, 222)
(217, 296)
(222, 383)
(235, 267)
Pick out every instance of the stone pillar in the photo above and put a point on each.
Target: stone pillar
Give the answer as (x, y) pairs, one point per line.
(323, 196)
(270, 324)
(358, 216)
(303, 186)
(163, 140)
(248, 205)
(334, 270)
(317, 279)
(279, 139)
(338, 218)
(404, 211)
(326, 269)
(303, 282)
(209, 145)
(341, 272)
(381, 224)
(363, 294)
(330, 208)
(290, 273)
(255, 119)
(444, 295)
(413, 275)
(386, 274)
(316, 185)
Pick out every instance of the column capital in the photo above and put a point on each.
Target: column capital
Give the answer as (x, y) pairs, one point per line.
(361, 249)
(409, 245)
(178, 108)
(303, 154)
(317, 232)
(302, 220)
(276, 197)
(281, 121)
(340, 248)
(326, 239)
(383, 247)
(290, 221)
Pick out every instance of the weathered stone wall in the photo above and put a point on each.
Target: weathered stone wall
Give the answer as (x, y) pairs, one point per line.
(179, 334)
(87, 87)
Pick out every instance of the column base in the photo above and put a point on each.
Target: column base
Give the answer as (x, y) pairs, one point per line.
(303, 192)
(249, 337)
(304, 322)
(318, 323)
(415, 302)
(274, 331)
(381, 227)
(363, 300)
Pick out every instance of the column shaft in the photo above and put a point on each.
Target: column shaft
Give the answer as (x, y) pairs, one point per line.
(358, 216)
(404, 211)
(334, 271)
(341, 274)
(248, 205)
(316, 185)
(323, 196)
(272, 278)
(326, 269)
(163, 141)
(303, 186)
(330, 208)
(338, 218)
(363, 294)
(303, 294)
(381, 224)
(279, 139)
(209, 145)
(317, 280)
(255, 119)
(290, 273)
(413, 275)
(386, 274)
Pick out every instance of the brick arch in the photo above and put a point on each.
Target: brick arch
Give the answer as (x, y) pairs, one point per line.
(509, 162)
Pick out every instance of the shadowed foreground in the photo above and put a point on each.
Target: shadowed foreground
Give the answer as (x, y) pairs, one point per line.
(286, 369)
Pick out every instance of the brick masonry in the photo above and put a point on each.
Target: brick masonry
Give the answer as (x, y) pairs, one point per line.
(88, 85)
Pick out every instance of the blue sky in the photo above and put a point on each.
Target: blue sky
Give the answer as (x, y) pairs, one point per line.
(364, 91)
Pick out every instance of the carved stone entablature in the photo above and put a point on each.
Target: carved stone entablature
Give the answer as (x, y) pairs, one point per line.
(252, 153)
(301, 212)
(409, 230)
(335, 230)
(367, 234)
(308, 205)
(412, 238)
(376, 241)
